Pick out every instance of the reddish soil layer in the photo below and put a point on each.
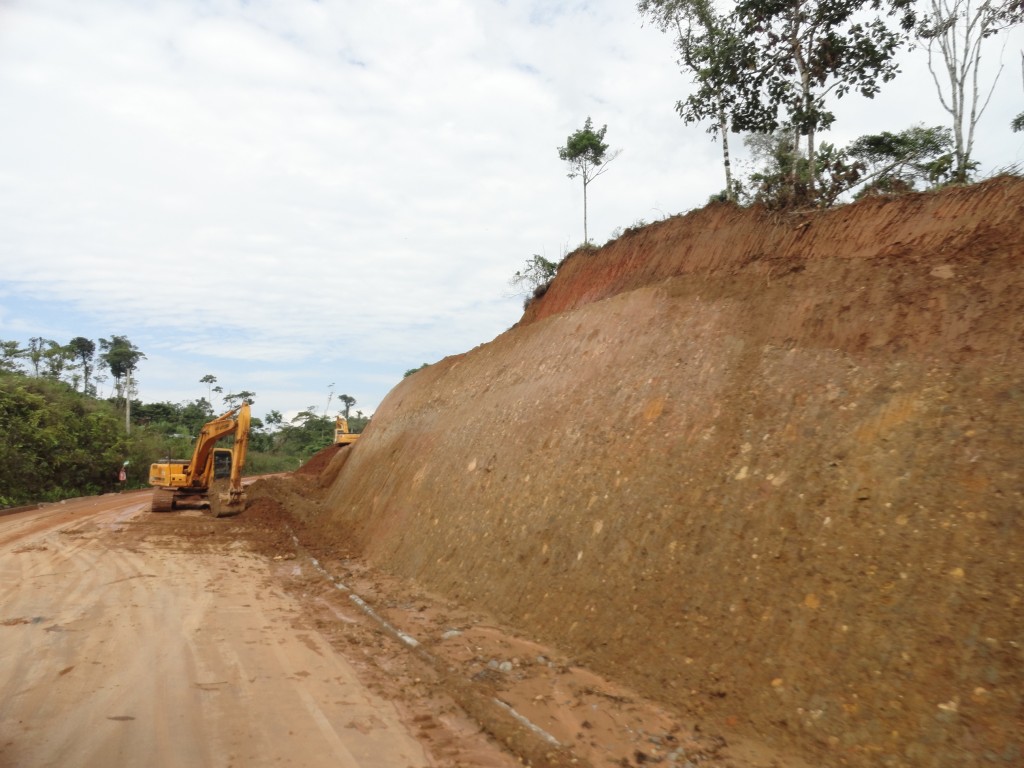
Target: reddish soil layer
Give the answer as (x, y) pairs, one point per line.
(318, 462)
(765, 469)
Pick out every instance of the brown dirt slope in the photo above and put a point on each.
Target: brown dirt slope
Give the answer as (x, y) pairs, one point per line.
(766, 469)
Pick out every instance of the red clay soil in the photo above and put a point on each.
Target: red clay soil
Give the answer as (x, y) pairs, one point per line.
(764, 468)
(318, 462)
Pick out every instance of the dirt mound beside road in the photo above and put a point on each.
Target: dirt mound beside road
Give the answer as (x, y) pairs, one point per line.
(766, 469)
(318, 462)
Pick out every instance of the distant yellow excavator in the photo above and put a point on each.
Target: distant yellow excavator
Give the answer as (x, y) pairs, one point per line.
(212, 478)
(341, 434)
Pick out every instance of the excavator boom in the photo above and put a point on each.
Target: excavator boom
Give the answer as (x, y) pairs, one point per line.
(235, 498)
(206, 442)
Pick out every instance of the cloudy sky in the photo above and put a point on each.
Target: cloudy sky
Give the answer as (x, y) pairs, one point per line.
(290, 194)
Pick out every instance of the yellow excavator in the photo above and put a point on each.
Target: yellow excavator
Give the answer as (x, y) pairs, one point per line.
(212, 478)
(341, 434)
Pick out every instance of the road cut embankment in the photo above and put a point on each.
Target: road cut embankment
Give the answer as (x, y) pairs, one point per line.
(765, 468)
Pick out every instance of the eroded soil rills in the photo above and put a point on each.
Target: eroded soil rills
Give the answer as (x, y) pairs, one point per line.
(763, 469)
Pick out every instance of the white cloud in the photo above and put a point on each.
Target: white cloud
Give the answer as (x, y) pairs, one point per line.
(291, 193)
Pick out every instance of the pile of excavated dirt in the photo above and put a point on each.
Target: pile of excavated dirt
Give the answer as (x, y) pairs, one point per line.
(765, 469)
(318, 462)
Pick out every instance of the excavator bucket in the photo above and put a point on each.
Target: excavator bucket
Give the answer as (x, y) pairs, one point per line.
(226, 504)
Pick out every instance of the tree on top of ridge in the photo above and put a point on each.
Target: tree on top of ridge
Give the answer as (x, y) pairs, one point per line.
(809, 50)
(585, 151)
(954, 31)
(712, 49)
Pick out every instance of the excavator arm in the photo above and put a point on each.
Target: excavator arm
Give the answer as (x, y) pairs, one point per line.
(241, 447)
(199, 473)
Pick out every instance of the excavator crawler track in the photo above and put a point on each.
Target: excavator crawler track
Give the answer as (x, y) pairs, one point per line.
(163, 500)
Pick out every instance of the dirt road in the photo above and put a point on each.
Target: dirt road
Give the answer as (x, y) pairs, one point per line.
(128, 638)
(118, 651)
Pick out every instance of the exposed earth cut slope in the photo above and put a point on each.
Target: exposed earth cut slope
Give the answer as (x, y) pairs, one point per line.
(765, 468)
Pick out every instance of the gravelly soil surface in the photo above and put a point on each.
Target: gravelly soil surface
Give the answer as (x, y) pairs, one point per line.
(442, 658)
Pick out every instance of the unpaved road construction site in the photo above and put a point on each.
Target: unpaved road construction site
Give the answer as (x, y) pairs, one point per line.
(133, 643)
(130, 638)
(741, 488)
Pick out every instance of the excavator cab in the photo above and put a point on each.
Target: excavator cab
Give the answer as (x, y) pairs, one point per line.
(221, 463)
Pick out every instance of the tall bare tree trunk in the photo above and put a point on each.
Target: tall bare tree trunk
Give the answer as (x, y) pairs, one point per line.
(586, 238)
(723, 128)
(957, 28)
(128, 403)
(811, 165)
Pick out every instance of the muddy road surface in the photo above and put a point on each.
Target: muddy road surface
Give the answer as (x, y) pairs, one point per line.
(128, 645)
